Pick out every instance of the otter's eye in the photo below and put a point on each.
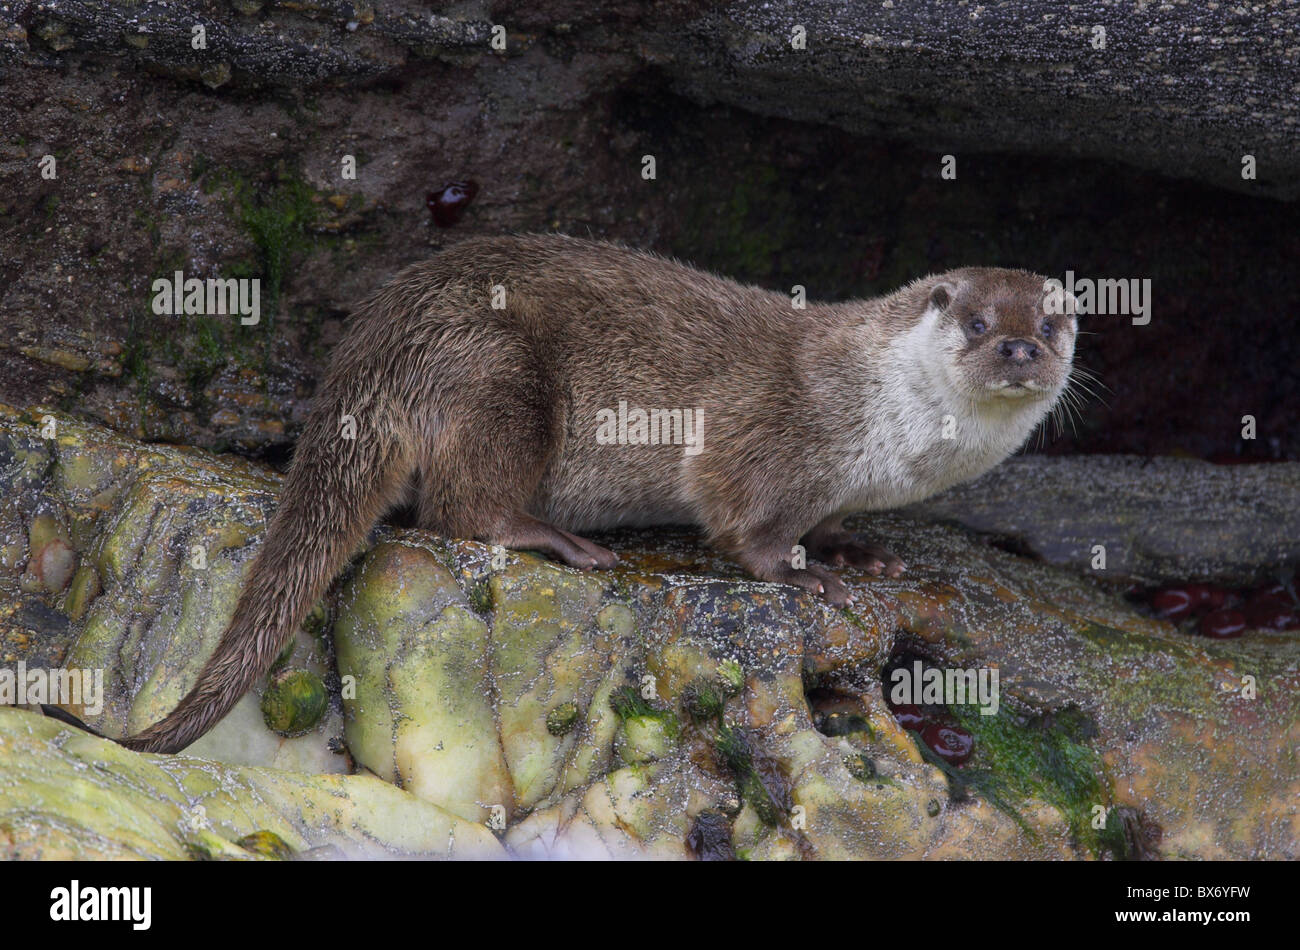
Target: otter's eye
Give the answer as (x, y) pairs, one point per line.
(977, 326)
(1048, 329)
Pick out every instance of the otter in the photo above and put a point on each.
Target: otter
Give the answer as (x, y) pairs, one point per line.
(472, 386)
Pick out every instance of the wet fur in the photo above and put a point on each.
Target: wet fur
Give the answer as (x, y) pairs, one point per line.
(484, 420)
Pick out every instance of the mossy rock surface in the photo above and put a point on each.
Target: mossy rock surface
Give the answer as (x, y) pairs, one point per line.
(71, 796)
(684, 688)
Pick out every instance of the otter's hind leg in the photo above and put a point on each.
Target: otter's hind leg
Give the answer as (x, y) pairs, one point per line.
(480, 486)
(522, 530)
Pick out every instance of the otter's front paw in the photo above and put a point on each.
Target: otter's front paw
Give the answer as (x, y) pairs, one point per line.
(845, 549)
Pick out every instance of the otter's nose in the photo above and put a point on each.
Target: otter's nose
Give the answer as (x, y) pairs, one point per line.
(1019, 352)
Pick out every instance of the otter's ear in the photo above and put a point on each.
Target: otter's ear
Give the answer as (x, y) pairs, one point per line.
(942, 294)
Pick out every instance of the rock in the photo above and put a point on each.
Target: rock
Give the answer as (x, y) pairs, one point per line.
(216, 75)
(164, 535)
(1159, 519)
(422, 714)
(52, 560)
(70, 796)
(960, 77)
(51, 566)
(233, 165)
(964, 77)
(705, 713)
(83, 589)
(56, 35)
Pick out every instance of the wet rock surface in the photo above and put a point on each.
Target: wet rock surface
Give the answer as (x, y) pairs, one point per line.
(1027, 76)
(72, 796)
(1157, 519)
(1089, 78)
(669, 708)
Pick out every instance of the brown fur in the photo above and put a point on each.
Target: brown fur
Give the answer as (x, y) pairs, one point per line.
(484, 419)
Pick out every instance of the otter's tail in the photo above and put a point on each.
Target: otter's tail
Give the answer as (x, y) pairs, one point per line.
(336, 489)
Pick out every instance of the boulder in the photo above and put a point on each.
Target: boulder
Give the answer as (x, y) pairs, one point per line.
(669, 708)
(69, 796)
(1157, 520)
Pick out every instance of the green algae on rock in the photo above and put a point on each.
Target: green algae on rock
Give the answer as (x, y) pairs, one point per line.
(294, 702)
(562, 718)
(66, 795)
(704, 699)
(266, 843)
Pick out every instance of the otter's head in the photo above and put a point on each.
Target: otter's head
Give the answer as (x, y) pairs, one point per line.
(1009, 343)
